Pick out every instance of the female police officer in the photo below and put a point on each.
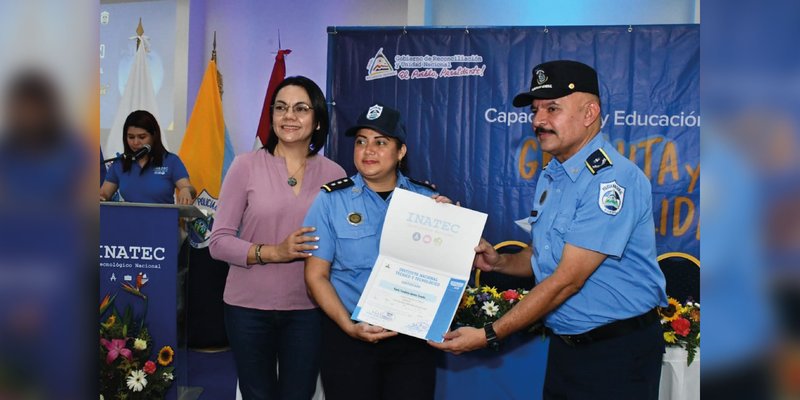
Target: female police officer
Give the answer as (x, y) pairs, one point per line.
(361, 361)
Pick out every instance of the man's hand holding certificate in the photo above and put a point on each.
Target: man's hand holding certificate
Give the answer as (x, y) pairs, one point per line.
(424, 264)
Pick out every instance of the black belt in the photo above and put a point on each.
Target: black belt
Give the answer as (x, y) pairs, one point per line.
(611, 330)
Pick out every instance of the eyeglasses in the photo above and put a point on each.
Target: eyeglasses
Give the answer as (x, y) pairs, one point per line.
(299, 109)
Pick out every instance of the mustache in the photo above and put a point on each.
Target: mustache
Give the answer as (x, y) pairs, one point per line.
(541, 130)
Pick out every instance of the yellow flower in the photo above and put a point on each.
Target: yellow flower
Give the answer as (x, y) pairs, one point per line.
(469, 301)
(669, 337)
(490, 290)
(165, 355)
(694, 314)
(672, 311)
(109, 322)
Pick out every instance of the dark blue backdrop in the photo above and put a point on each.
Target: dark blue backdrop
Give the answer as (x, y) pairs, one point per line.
(454, 87)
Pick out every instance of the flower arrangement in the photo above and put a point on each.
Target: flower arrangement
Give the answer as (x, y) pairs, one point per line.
(482, 305)
(127, 369)
(681, 325)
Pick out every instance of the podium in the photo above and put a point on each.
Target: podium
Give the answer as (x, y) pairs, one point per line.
(139, 245)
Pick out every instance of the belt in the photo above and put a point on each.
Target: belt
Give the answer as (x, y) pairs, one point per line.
(611, 330)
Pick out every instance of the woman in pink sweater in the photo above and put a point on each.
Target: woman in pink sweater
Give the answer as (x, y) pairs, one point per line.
(270, 319)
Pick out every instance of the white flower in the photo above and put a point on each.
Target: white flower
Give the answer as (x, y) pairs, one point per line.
(168, 376)
(137, 380)
(490, 309)
(101, 397)
(139, 344)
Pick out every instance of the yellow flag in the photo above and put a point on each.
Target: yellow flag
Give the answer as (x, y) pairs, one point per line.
(206, 149)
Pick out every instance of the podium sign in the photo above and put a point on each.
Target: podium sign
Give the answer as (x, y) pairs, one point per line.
(138, 265)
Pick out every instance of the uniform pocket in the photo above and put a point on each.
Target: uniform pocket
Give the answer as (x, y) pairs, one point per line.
(356, 246)
(561, 223)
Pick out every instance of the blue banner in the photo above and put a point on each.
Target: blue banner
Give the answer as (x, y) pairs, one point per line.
(454, 87)
(138, 270)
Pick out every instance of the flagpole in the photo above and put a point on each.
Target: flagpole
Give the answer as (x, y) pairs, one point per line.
(139, 33)
(214, 48)
(214, 59)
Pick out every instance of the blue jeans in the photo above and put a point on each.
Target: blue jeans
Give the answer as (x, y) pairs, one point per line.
(277, 353)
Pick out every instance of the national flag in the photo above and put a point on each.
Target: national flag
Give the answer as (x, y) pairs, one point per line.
(206, 152)
(138, 95)
(277, 76)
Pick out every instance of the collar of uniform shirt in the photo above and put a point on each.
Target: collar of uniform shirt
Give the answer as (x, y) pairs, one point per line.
(576, 164)
(361, 185)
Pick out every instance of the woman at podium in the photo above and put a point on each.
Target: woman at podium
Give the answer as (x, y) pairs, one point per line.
(147, 172)
(271, 321)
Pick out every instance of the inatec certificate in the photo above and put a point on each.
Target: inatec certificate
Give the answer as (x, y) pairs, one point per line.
(423, 266)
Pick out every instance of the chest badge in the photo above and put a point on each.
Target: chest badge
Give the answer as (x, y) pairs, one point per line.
(354, 218)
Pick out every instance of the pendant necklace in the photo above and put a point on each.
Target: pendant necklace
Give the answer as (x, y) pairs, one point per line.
(292, 181)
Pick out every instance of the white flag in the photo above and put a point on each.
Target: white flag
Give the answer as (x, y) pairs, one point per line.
(138, 95)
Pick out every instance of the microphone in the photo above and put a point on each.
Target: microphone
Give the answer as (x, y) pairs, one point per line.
(130, 156)
(139, 153)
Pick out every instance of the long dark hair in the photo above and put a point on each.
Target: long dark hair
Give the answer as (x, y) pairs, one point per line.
(318, 104)
(144, 120)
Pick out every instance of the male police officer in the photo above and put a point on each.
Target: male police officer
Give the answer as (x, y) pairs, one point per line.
(593, 252)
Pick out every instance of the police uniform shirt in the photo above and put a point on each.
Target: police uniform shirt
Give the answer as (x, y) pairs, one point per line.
(151, 185)
(610, 212)
(349, 223)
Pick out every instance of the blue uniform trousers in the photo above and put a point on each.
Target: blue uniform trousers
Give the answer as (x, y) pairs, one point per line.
(619, 368)
(401, 367)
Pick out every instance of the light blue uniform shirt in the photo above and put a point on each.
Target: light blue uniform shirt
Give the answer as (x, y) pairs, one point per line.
(352, 247)
(611, 213)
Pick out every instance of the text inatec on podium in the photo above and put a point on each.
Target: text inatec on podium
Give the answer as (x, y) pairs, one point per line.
(132, 252)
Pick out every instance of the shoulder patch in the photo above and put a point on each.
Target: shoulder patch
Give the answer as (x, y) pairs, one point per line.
(425, 184)
(610, 197)
(337, 184)
(597, 161)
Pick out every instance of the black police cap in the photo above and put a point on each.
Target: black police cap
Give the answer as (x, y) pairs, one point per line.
(556, 79)
(383, 119)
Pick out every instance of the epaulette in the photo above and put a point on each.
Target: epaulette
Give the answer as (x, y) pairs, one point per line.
(337, 184)
(425, 184)
(597, 161)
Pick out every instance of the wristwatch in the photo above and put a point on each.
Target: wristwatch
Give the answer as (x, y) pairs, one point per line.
(491, 337)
